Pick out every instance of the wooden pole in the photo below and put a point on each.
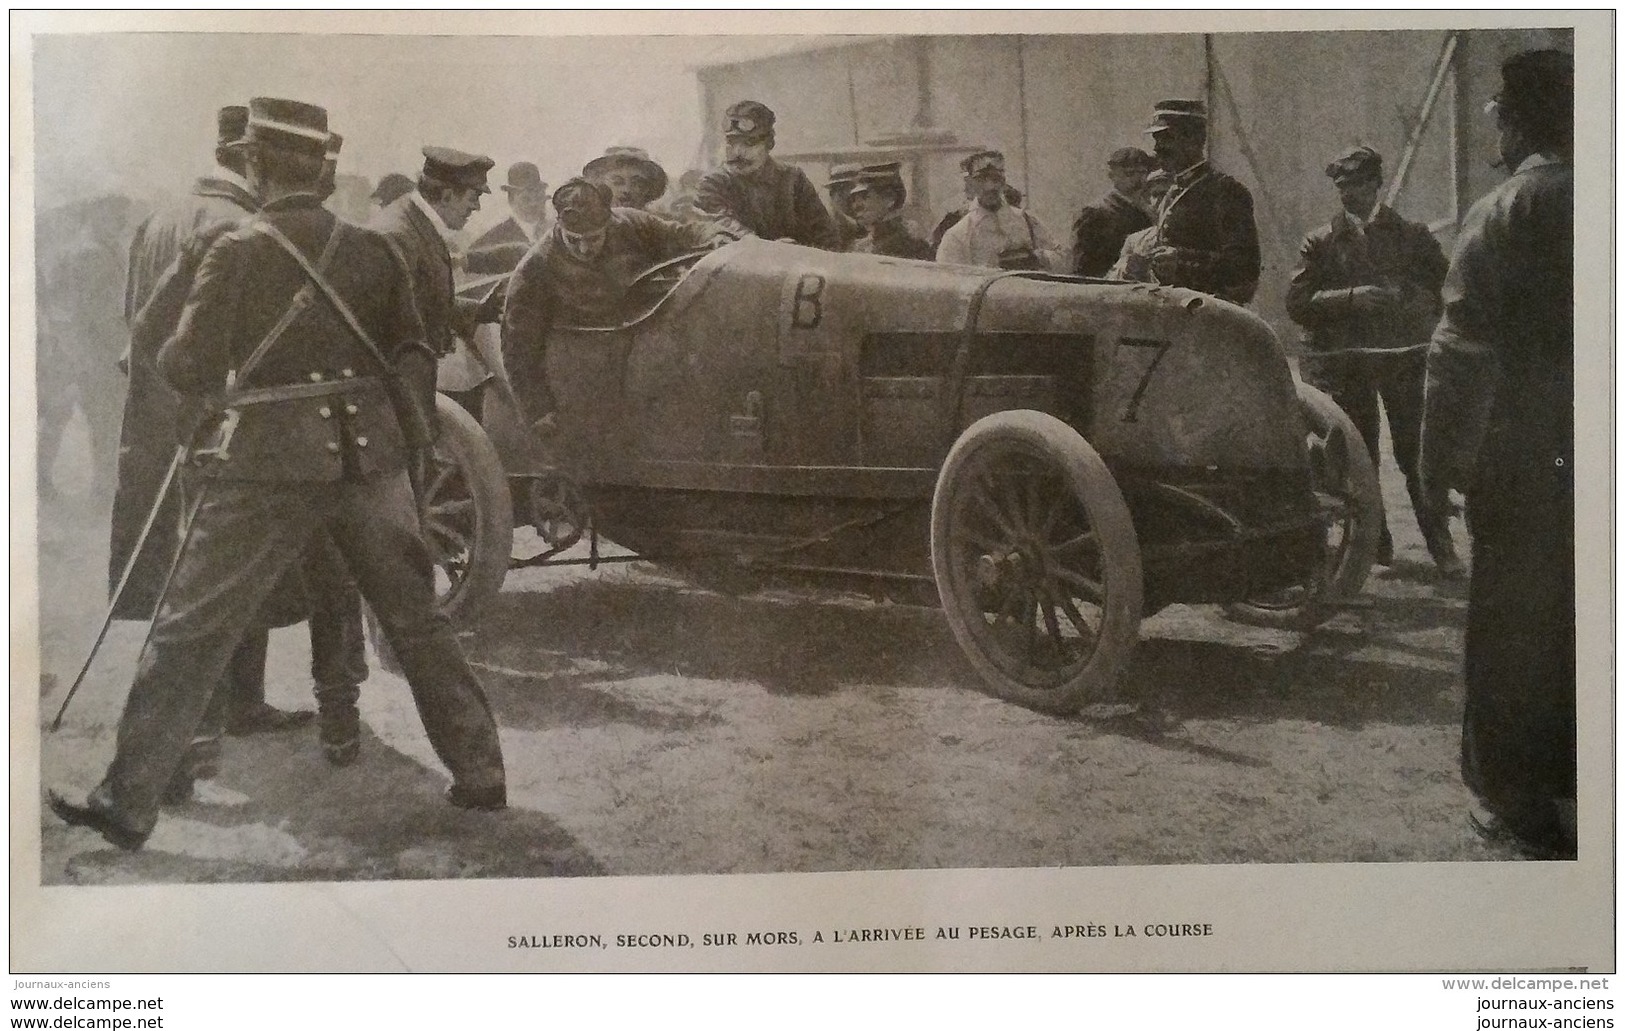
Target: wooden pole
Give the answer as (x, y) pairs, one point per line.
(1441, 70)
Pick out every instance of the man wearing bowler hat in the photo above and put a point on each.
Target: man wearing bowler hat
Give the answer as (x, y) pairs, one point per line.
(420, 224)
(579, 274)
(290, 328)
(1366, 292)
(635, 179)
(994, 232)
(1206, 237)
(1498, 425)
(753, 194)
(499, 249)
(1100, 229)
(876, 199)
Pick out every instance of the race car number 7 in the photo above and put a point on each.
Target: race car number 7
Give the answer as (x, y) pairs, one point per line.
(1131, 412)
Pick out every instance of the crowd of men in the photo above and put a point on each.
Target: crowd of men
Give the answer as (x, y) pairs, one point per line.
(283, 365)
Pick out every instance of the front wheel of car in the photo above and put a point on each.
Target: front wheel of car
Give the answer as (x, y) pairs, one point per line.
(1036, 561)
(1346, 487)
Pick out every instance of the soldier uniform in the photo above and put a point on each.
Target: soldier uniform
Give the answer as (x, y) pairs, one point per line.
(164, 257)
(1362, 344)
(773, 201)
(309, 440)
(1206, 237)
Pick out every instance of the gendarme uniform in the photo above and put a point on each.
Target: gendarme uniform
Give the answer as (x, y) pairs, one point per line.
(308, 440)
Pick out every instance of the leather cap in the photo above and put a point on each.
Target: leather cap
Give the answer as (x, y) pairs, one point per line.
(583, 205)
(748, 120)
(1355, 163)
(231, 125)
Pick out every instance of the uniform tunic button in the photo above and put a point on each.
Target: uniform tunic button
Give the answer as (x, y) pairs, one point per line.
(351, 409)
(325, 412)
(315, 377)
(361, 442)
(333, 445)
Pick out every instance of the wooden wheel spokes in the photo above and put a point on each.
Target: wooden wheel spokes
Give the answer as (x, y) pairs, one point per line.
(1023, 539)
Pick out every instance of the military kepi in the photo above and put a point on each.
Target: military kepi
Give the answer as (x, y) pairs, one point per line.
(1169, 114)
(290, 124)
(457, 168)
(231, 124)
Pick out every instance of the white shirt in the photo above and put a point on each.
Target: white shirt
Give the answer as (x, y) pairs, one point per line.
(982, 235)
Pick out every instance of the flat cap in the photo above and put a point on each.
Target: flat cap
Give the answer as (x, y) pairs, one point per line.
(1169, 114)
(748, 120)
(1355, 163)
(583, 205)
(457, 168)
(983, 162)
(1130, 157)
(290, 124)
(231, 125)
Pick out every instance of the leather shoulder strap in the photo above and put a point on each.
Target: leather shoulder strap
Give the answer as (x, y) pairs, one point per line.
(326, 288)
(296, 306)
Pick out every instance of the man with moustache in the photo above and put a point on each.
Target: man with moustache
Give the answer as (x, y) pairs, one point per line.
(995, 233)
(753, 194)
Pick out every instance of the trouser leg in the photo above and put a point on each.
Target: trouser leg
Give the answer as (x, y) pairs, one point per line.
(338, 647)
(1402, 384)
(376, 528)
(243, 537)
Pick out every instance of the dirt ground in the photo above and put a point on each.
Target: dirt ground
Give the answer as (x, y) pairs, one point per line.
(651, 727)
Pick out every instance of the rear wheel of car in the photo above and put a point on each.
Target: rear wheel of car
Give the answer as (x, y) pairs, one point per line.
(1345, 483)
(1036, 561)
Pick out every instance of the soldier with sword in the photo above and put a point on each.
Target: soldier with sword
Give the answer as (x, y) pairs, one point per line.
(297, 330)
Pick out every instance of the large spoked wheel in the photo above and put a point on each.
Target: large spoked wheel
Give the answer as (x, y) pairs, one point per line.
(1346, 487)
(467, 513)
(1036, 561)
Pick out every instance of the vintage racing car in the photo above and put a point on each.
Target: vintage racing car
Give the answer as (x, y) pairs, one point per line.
(1052, 458)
